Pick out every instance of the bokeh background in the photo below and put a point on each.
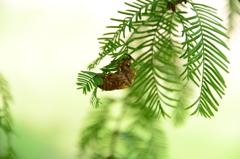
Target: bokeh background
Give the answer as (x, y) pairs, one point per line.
(45, 43)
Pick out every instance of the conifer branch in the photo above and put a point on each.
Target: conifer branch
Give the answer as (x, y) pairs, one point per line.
(161, 81)
(204, 59)
(153, 37)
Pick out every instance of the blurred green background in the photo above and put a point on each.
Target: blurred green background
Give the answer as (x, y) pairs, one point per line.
(44, 44)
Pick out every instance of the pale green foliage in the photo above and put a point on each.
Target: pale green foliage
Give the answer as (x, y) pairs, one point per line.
(129, 134)
(151, 33)
(6, 151)
(232, 8)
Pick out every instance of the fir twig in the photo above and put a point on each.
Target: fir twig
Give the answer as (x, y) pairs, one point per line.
(153, 27)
